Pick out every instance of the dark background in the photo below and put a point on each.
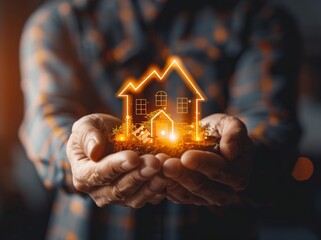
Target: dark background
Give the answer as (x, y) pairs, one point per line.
(24, 204)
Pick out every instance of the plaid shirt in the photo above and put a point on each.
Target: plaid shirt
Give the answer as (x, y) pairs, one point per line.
(76, 54)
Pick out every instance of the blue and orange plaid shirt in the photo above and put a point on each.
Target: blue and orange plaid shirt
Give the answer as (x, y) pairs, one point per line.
(76, 54)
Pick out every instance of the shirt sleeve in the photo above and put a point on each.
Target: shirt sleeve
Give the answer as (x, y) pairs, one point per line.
(263, 94)
(52, 86)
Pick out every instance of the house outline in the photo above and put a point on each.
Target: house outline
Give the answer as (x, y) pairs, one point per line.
(172, 63)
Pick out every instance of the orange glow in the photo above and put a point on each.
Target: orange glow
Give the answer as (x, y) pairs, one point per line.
(166, 115)
(303, 169)
(173, 63)
(173, 137)
(121, 138)
(76, 207)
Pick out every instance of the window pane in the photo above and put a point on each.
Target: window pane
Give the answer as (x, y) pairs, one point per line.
(141, 106)
(182, 105)
(161, 98)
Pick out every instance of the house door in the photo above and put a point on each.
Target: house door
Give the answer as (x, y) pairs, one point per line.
(162, 126)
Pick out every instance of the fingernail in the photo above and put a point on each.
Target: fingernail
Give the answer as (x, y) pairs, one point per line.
(172, 169)
(90, 146)
(234, 150)
(148, 171)
(127, 166)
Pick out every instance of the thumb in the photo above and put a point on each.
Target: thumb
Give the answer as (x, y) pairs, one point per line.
(89, 132)
(93, 144)
(233, 132)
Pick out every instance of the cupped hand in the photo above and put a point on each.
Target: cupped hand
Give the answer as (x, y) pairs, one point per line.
(205, 178)
(122, 178)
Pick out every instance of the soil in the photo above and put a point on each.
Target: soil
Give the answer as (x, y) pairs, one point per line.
(173, 150)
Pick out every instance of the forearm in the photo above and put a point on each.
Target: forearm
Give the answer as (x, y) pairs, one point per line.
(264, 96)
(44, 136)
(275, 155)
(51, 87)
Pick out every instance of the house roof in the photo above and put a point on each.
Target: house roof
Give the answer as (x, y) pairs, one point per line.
(173, 63)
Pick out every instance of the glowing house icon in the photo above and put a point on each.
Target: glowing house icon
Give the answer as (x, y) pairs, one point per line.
(157, 91)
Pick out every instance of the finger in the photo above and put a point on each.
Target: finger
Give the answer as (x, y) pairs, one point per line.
(90, 132)
(157, 198)
(211, 165)
(179, 194)
(127, 185)
(157, 184)
(233, 133)
(162, 157)
(74, 151)
(101, 196)
(114, 165)
(90, 174)
(196, 183)
(147, 192)
(172, 168)
(214, 193)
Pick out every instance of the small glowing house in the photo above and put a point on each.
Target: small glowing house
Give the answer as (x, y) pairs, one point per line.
(171, 94)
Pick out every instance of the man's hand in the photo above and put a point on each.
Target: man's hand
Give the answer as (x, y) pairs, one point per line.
(122, 178)
(205, 178)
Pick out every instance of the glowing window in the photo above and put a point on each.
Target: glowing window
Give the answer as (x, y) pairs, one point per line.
(182, 105)
(141, 107)
(161, 98)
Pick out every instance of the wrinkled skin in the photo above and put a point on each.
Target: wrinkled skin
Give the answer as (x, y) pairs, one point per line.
(205, 178)
(124, 178)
